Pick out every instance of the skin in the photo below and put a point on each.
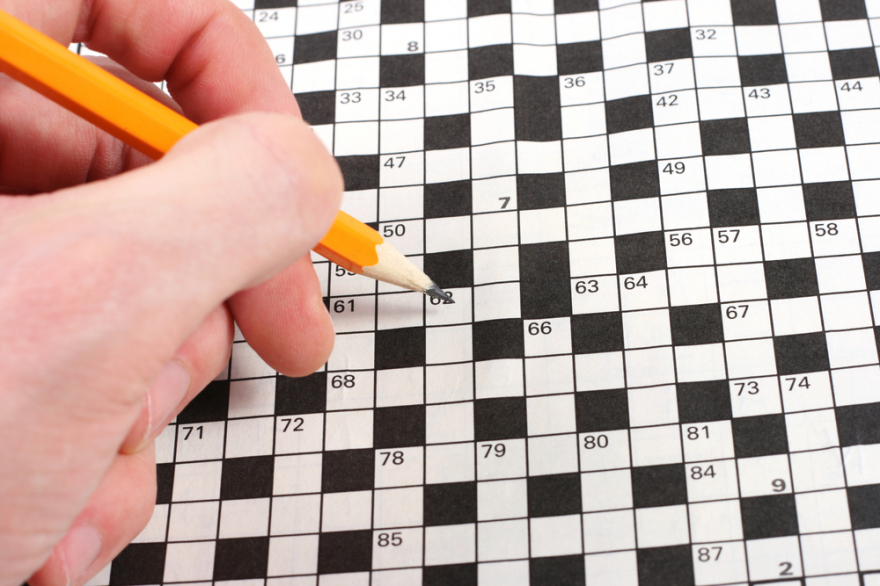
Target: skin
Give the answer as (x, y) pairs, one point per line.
(113, 267)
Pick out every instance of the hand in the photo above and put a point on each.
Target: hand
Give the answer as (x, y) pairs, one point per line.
(117, 295)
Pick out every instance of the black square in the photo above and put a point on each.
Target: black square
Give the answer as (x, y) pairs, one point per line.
(725, 137)
(262, 4)
(241, 559)
(665, 566)
(445, 200)
(399, 427)
(348, 470)
(212, 404)
(668, 45)
(601, 410)
(570, 6)
(801, 353)
(858, 424)
(484, 7)
(555, 494)
(540, 191)
(359, 172)
(500, 338)
(455, 574)
(853, 63)
(247, 478)
(871, 264)
(544, 282)
(138, 563)
(640, 253)
(537, 116)
(401, 70)
(400, 348)
(696, 324)
(629, 114)
(164, 483)
(752, 12)
(576, 58)
(634, 181)
(733, 207)
(787, 279)
(447, 132)
(345, 551)
(829, 201)
(659, 486)
(763, 435)
(596, 332)
(768, 516)
(762, 70)
(491, 61)
(557, 571)
(864, 506)
(317, 107)
(843, 9)
(450, 504)
(298, 396)
(400, 11)
(705, 401)
(451, 269)
(818, 129)
(498, 419)
(314, 48)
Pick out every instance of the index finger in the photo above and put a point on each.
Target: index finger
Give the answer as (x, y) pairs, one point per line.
(198, 47)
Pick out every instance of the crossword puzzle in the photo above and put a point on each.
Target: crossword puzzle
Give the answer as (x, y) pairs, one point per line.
(660, 223)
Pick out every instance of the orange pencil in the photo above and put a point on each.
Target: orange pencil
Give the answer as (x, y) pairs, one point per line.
(82, 87)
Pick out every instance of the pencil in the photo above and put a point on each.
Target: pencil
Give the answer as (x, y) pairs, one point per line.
(149, 126)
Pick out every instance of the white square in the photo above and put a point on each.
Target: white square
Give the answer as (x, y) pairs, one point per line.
(689, 210)
(665, 15)
(445, 9)
(625, 82)
(870, 233)
(824, 164)
(189, 561)
(450, 544)
(446, 35)
(781, 204)
(357, 74)
(501, 460)
(614, 454)
(193, 521)
(498, 229)
(681, 176)
(715, 521)
(402, 39)
(445, 234)
(555, 454)
(764, 475)
(729, 171)
(494, 29)
(545, 225)
(492, 126)
(643, 291)
(590, 221)
(632, 146)
(709, 12)
(700, 362)
(805, 67)
(637, 215)
(746, 320)
(764, 556)
(251, 397)
(348, 430)
(551, 414)
(606, 491)
(610, 531)
(533, 29)
(692, 286)
(553, 536)
(495, 265)
(512, 573)
(499, 378)
(539, 157)
(612, 569)
(675, 108)
(200, 442)
(736, 282)
(652, 446)
(316, 19)
(585, 120)
(448, 344)
(246, 363)
(577, 27)
(693, 247)
(856, 385)
(346, 511)
(484, 97)
(679, 140)
(534, 60)
(644, 329)
(585, 153)
(503, 540)
(399, 467)
(717, 41)
(401, 136)
(449, 383)
(860, 126)
(652, 406)
(249, 437)
(493, 160)
(758, 40)
(858, 94)
(400, 386)
(848, 34)
(867, 196)
(489, 192)
(750, 358)
(445, 99)
(829, 553)
(314, 77)
(502, 499)
(819, 96)
(822, 511)
(807, 392)
(244, 518)
(757, 396)
(868, 545)
(292, 515)
(783, 241)
(860, 464)
(818, 470)
(448, 423)
(592, 257)
(599, 371)
(356, 138)
(497, 301)
(623, 51)
(771, 133)
(449, 463)
(713, 480)
(737, 245)
(719, 103)
(852, 348)
(550, 375)
(802, 38)
(649, 367)
(812, 430)
(798, 10)
(297, 474)
(846, 311)
(716, 72)
(662, 526)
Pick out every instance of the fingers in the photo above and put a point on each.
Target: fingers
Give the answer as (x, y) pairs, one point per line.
(115, 514)
(285, 320)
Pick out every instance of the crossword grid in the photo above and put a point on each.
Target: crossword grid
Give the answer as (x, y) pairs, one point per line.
(660, 222)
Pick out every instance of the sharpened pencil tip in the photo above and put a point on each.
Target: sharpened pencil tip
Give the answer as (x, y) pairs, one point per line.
(438, 293)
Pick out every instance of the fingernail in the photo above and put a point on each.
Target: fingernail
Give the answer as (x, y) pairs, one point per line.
(165, 394)
(81, 547)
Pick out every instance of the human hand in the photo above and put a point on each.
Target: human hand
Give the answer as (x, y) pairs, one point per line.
(117, 296)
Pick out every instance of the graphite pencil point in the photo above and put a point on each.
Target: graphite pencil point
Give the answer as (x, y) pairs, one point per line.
(438, 293)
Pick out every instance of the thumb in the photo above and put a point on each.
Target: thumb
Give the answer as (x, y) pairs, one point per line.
(103, 282)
